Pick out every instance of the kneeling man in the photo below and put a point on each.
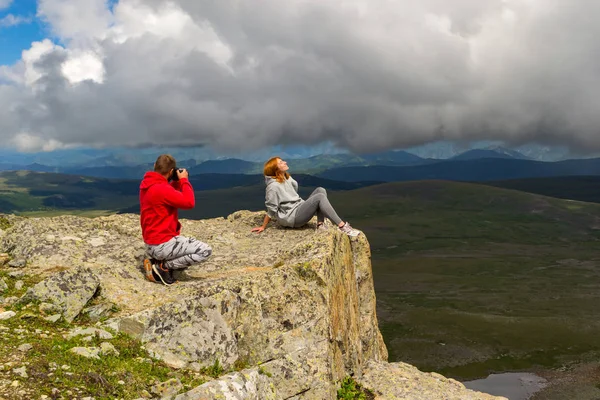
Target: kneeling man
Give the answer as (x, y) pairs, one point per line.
(160, 199)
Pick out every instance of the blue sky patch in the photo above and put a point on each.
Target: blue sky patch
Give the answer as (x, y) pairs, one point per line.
(15, 39)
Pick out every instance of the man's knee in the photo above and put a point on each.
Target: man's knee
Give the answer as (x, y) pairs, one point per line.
(321, 190)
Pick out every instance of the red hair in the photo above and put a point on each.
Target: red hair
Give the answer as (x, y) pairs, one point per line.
(271, 169)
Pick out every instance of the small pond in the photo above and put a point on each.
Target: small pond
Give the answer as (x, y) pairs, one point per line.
(512, 385)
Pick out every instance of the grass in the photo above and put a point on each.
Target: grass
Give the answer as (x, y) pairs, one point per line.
(40, 194)
(472, 280)
(127, 375)
(4, 223)
(582, 188)
(350, 390)
(51, 365)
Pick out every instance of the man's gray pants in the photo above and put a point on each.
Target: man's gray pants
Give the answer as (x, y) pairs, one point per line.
(180, 252)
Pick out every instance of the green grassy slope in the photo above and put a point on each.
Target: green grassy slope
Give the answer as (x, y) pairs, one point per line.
(39, 193)
(472, 279)
(45, 193)
(582, 188)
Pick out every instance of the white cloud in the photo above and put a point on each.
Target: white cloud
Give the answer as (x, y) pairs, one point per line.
(12, 20)
(362, 74)
(78, 20)
(83, 65)
(168, 22)
(32, 72)
(5, 4)
(27, 143)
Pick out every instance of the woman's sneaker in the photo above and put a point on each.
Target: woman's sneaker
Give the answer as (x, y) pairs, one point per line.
(163, 273)
(350, 231)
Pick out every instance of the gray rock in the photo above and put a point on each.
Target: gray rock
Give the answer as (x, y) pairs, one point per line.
(403, 381)
(16, 274)
(48, 308)
(25, 347)
(87, 352)
(3, 286)
(247, 385)
(7, 315)
(17, 263)
(99, 311)
(108, 349)
(189, 331)
(22, 372)
(71, 290)
(53, 318)
(102, 334)
(9, 301)
(299, 304)
(168, 389)
(19, 285)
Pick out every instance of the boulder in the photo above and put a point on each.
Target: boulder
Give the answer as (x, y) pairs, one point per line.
(297, 308)
(403, 381)
(70, 290)
(246, 385)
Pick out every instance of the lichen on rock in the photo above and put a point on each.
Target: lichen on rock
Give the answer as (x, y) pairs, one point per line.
(70, 290)
(295, 307)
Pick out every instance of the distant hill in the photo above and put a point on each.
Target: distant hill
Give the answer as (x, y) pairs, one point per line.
(484, 169)
(323, 162)
(122, 172)
(468, 275)
(448, 149)
(396, 157)
(310, 165)
(228, 166)
(496, 152)
(581, 188)
(22, 191)
(27, 191)
(121, 166)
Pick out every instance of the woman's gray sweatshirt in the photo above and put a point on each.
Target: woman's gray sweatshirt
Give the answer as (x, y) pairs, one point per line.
(282, 200)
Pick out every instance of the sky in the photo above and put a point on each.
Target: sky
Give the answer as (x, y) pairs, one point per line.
(237, 75)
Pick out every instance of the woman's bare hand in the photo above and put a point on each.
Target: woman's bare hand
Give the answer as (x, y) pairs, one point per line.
(258, 230)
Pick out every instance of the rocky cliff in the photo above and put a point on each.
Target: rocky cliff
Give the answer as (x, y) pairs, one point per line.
(293, 310)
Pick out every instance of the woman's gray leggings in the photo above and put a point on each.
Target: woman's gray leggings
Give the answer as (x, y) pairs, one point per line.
(317, 203)
(180, 252)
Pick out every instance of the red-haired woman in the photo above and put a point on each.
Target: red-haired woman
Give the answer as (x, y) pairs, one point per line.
(285, 206)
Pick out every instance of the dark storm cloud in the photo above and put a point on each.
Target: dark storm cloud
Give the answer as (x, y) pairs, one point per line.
(365, 75)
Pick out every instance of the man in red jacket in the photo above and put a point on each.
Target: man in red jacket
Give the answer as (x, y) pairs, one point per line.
(159, 200)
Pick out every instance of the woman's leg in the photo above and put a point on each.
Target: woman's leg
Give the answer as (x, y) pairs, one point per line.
(180, 252)
(317, 202)
(320, 216)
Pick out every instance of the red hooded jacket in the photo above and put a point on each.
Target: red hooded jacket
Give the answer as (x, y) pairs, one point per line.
(159, 202)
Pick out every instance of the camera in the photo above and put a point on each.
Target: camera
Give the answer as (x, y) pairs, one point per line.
(174, 176)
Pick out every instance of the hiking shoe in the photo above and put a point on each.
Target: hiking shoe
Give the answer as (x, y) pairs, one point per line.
(150, 274)
(163, 273)
(350, 231)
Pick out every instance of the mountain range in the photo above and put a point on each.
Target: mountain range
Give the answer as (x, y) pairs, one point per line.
(489, 164)
(481, 169)
(61, 160)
